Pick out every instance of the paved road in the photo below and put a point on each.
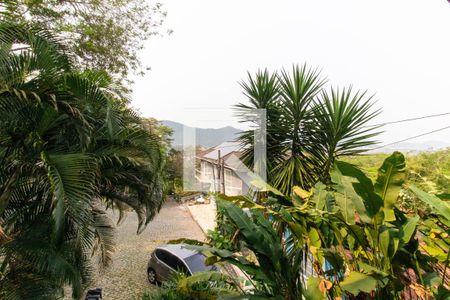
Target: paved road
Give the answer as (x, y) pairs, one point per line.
(126, 277)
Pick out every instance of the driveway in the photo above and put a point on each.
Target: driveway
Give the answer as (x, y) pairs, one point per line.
(126, 277)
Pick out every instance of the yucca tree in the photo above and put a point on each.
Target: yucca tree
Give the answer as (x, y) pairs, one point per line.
(341, 126)
(307, 127)
(68, 147)
(262, 92)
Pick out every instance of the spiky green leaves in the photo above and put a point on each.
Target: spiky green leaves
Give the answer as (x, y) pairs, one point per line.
(307, 127)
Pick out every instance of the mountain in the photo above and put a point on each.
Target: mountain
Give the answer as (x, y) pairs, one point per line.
(207, 137)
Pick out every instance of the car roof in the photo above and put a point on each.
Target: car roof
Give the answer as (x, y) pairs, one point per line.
(179, 250)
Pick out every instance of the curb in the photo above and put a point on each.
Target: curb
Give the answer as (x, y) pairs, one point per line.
(205, 230)
(195, 220)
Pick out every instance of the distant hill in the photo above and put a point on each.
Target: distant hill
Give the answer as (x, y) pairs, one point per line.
(415, 147)
(207, 137)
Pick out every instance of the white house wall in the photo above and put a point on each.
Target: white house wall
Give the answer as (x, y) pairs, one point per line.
(233, 184)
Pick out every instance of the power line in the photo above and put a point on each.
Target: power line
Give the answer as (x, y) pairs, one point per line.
(410, 119)
(400, 121)
(412, 137)
(374, 125)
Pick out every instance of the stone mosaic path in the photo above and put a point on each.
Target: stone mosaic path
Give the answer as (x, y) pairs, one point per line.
(126, 277)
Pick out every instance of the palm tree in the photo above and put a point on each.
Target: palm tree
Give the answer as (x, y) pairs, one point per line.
(307, 128)
(68, 146)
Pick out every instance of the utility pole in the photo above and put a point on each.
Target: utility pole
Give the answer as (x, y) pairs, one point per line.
(219, 172)
(223, 175)
(214, 177)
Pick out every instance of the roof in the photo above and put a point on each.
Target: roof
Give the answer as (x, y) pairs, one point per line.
(225, 149)
(179, 250)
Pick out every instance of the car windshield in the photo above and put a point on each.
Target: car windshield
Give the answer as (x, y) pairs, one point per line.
(196, 263)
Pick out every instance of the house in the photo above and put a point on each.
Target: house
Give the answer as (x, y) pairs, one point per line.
(234, 174)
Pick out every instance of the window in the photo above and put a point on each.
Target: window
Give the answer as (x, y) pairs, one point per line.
(196, 262)
(203, 164)
(181, 267)
(228, 177)
(206, 170)
(161, 255)
(166, 257)
(171, 260)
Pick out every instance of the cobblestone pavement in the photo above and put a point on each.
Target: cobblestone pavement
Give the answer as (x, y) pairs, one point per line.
(126, 277)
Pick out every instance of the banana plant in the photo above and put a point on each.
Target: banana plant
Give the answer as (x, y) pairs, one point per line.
(388, 233)
(397, 250)
(347, 239)
(287, 265)
(271, 272)
(435, 232)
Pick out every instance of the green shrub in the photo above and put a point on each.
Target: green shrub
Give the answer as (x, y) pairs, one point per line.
(218, 240)
(200, 286)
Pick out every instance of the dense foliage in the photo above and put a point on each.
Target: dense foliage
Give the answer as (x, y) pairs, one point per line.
(174, 170)
(429, 170)
(346, 240)
(328, 230)
(104, 35)
(200, 286)
(308, 127)
(69, 148)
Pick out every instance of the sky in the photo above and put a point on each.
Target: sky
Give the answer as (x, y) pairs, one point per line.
(397, 50)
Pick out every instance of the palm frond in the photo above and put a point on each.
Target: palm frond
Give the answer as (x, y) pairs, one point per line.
(69, 147)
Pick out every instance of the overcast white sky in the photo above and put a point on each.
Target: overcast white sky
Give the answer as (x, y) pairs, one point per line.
(399, 50)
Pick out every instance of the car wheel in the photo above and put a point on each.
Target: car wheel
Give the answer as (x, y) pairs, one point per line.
(151, 276)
